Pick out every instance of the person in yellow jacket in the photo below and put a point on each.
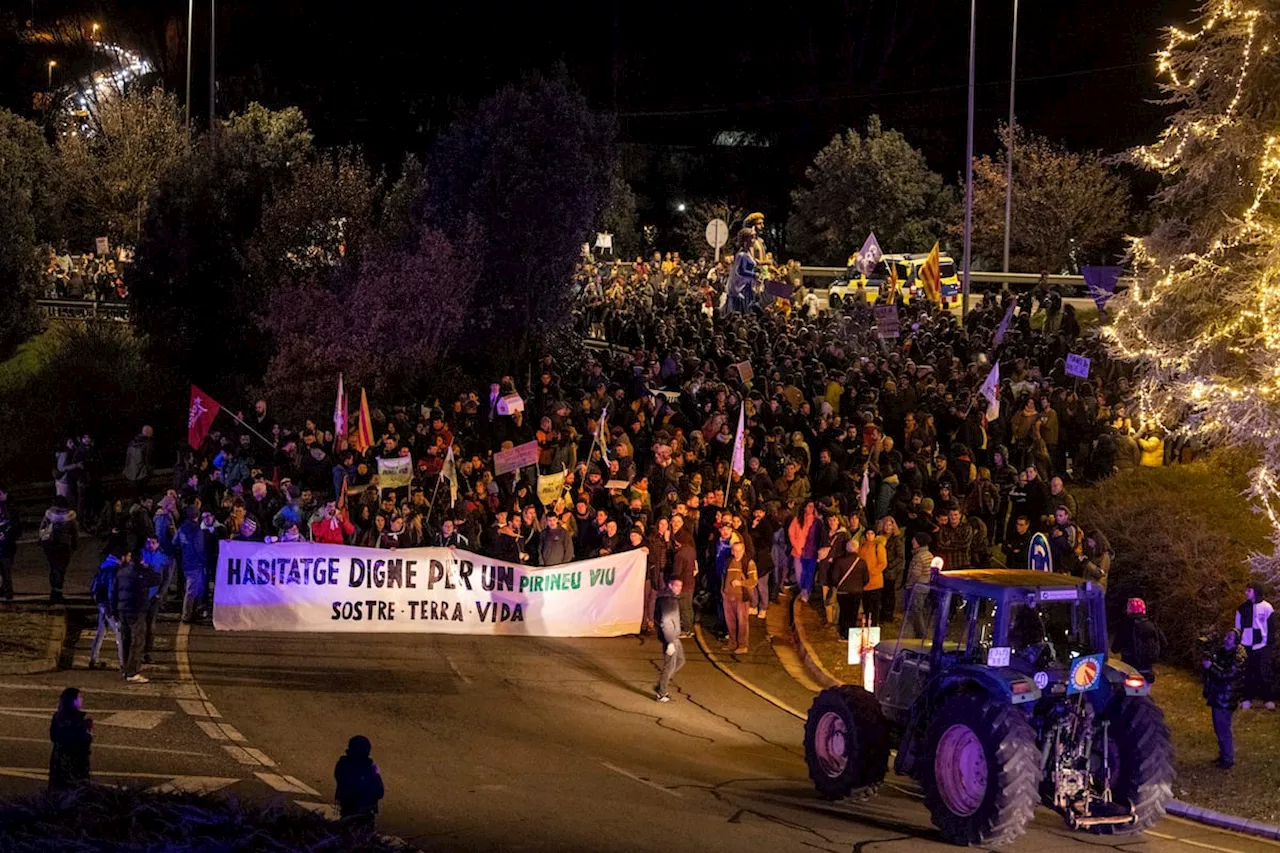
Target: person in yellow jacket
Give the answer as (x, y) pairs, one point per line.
(1152, 446)
(871, 550)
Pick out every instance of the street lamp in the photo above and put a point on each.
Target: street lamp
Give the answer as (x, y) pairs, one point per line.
(53, 63)
(1008, 148)
(95, 31)
(680, 207)
(968, 163)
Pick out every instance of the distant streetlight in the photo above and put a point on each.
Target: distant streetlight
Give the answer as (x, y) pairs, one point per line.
(680, 207)
(53, 63)
(96, 27)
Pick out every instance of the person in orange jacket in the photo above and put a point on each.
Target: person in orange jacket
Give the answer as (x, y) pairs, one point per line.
(872, 552)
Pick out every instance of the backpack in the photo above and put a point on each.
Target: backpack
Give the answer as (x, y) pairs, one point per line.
(100, 586)
(1146, 646)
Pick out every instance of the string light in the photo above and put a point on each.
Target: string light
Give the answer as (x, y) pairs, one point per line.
(1206, 323)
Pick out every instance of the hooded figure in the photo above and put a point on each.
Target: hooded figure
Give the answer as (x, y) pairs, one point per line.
(359, 782)
(71, 732)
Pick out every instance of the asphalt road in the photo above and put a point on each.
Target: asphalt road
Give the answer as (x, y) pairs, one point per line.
(519, 743)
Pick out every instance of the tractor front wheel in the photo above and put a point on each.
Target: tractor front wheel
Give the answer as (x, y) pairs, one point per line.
(846, 741)
(980, 784)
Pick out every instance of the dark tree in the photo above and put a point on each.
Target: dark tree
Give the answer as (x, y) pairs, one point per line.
(29, 194)
(530, 170)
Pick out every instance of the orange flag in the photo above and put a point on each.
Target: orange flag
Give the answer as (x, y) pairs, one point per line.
(931, 276)
(364, 426)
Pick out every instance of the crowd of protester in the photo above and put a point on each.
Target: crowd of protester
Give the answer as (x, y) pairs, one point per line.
(864, 457)
(85, 277)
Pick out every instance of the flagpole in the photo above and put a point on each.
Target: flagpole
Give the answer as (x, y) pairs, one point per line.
(249, 428)
(968, 163)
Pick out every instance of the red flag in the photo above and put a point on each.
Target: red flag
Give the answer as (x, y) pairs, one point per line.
(200, 416)
(364, 426)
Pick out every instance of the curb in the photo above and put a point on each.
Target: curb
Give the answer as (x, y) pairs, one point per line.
(53, 652)
(1208, 817)
(1175, 808)
(718, 664)
(805, 650)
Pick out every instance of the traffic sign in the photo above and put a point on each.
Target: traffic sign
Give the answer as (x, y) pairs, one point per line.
(717, 234)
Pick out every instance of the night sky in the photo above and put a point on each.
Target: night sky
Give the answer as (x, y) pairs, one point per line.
(389, 75)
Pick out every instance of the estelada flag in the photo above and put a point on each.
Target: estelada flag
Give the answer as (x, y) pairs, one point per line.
(893, 283)
(931, 276)
(200, 416)
(364, 425)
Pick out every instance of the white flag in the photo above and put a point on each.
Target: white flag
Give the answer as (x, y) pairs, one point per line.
(451, 474)
(869, 255)
(738, 465)
(602, 437)
(864, 491)
(340, 413)
(991, 390)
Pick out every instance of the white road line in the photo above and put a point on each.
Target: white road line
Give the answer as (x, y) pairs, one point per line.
(232, 732)
(43, 773)
(198, 708)
(286, 784)
(211, 729)
(263, 758)
(96, 745)
(145, 720)
(239, 754)
(1202, 845)
(457, 673)
(636, 778)
(154, 690)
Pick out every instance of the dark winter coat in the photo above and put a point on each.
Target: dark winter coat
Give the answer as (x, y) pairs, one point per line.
(359, 786)
(133, 584)
(1224, 679)
(69, 761)
(1140, 643)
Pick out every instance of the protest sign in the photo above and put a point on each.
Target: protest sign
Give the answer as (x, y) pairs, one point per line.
(509, 404)
(395, 473)
(745, 371)
(617, 484)
(304, 586)
(1077, 365)
(102, 246)
(515, 458)
(550, 487)
(887, 321)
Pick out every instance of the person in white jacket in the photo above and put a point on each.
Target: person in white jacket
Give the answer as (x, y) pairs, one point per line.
(1251, 622)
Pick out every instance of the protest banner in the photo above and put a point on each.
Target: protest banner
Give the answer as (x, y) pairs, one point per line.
(887, 321)
(395, 473)
(102, 246)
(1078, 365)
(745, 371)
(515, 458)
(550, 487)
(304, 586)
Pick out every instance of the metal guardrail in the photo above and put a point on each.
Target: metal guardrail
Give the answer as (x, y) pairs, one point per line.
(83, 309)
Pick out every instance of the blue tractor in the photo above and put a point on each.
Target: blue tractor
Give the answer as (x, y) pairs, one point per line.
(998, 695)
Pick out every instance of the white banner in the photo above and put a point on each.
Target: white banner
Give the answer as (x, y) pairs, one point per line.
(395, 472)
(303, 586)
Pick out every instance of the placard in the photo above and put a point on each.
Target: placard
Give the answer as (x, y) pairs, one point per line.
(887, 325)
(745, 371)
(1078, 365)
(509, 404)
(102, 245)
(518, 457)
(395, 472)
(550, 487)
(613, 485)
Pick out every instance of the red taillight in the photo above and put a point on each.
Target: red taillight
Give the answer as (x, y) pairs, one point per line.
(1021, 687)
(1135, 681)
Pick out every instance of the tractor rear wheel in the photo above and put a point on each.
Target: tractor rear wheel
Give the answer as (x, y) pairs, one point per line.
(846, 741)
(1142, 771)
(981, 772)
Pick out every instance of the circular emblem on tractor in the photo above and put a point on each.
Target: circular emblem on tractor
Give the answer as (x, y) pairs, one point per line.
(1086, 674)
(1039, 557)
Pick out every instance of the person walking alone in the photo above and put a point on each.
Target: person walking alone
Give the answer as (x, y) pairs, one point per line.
(71, 733)
(740, 578)
(59, 536)
(1223, 682)
(103, 591)
(359, 783)
(668, 618)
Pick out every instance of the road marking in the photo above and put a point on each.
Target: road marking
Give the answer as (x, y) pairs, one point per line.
(240, 755)
(457, 673)
(122, 746)
(636, 778)
(145, 720)
(154, 690)
(211, 729)
(286, 784)
(1221, 829)
(763, 694)
(193, 785)
(184, 662)
(325, 810)
(262, 757)
(198, 708)
(43, 773)
(1201, 844)
(232, 732)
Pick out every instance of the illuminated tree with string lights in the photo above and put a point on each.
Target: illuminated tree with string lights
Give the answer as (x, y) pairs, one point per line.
(1203, 317)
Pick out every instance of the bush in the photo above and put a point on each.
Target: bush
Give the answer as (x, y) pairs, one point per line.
(85, 377)
(1182, 537)
(97, 818)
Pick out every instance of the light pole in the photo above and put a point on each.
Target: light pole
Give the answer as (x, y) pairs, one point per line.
(1008, 147)
(213, 36)
(53, 63)
(968, 163)
(191, 14)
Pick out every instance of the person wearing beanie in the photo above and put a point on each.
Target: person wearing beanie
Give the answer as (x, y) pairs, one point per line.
(1139, 641)
(359, 783)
